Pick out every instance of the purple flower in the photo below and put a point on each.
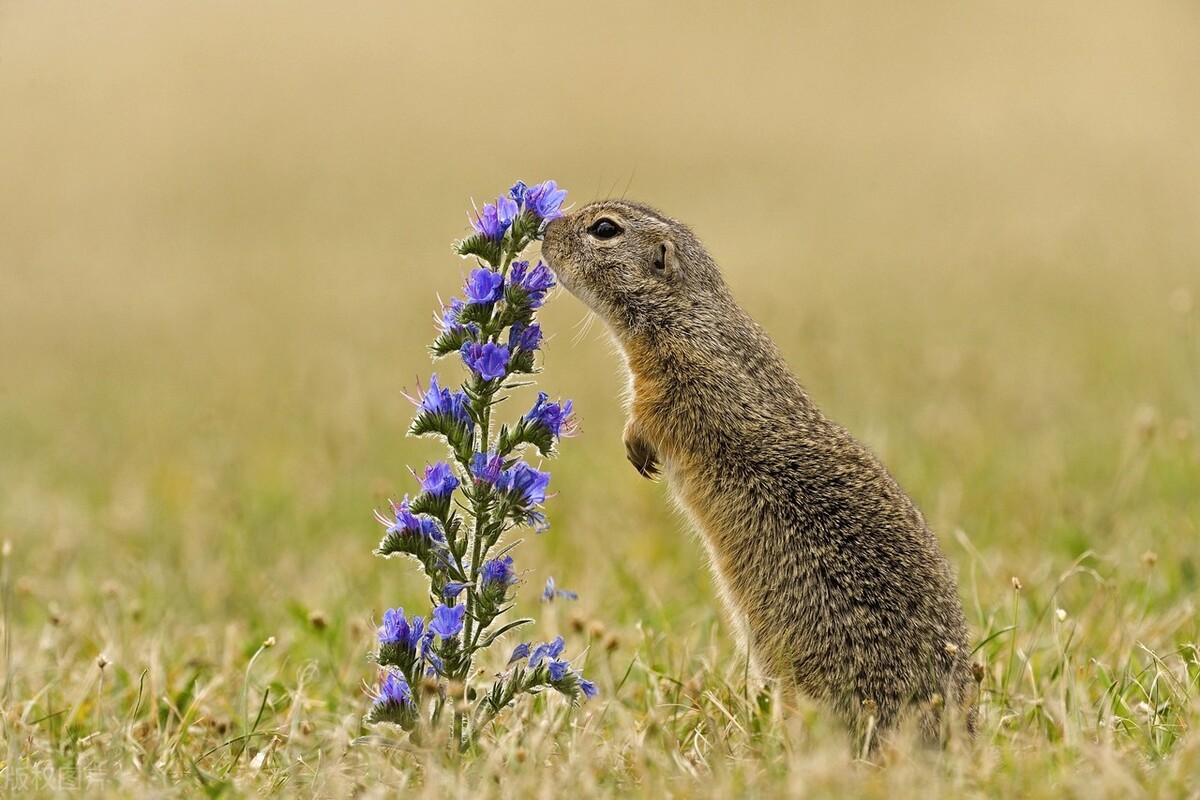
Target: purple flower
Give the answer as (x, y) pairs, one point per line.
(525, 338)
(484, 286)
(507, 210)
(487, 467)
(408, 522)
(588, 688)
(450, 315)
(543, 651)
(558, 670)
(435, 663)
(537, 520)
(535, 282)
(487, 222)
(517, 192)
(400, 631)
(436, 400)
(519, 652)
(439, 479)
(552, 416)
(459, 412)
(394, 690)
(443, 403)
(495, 219)
(545, 200)
(453, 589)
(498, 571)
(551, 592)
(488, 361)
(447, 621)
(526, 483)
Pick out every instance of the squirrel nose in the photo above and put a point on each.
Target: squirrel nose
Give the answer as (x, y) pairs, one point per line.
(554, 224)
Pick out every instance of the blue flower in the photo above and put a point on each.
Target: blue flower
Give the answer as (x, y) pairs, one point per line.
(488, 361)
(526, 483)
(558, 670)
(552, 416)
(453, 589)
(484, 286)
(400, 631)
(507, 210)
(588, 688)
(458, 410)
(519, 652)
(450, 315)
(408, 522)
(486, 467)
(498, 571)
(394, 690)
(551, 592)
(443, 403)
(439, 479)
(545, 200)
(535, 282)
(517, 192)
(495, 219)
(543, 651)
(487, 223)
(537, 520)
(525, 338)
(447, 621)
(435, 663)
(436, 400)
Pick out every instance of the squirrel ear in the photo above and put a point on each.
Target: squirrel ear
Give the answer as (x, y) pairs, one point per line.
(664, 259)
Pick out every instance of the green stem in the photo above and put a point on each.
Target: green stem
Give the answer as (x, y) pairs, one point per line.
(1012, 649)
(482, 517)
(481, 514)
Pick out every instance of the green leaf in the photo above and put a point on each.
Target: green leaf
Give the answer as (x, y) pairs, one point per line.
(525, 228)
(521, 362)
(526, 433)
(436, 507)
(450, 341)
(403, 715)
(503, 629)
(476, 313)
(481, 247)
(516, 307)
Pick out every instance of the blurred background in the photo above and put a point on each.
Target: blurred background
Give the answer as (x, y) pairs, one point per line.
(224, 227)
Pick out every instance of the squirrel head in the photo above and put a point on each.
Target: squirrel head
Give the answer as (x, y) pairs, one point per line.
(638, 269)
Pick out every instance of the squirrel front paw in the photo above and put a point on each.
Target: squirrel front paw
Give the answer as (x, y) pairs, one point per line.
(642, 456)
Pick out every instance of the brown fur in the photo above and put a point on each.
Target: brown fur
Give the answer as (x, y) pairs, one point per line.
(836, 584)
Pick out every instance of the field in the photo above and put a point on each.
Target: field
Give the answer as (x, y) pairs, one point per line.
(224, 230)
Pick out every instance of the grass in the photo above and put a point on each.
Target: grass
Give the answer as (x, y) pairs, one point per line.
(220, 246)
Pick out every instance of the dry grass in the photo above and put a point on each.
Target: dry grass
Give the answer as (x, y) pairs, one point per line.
(222, 231)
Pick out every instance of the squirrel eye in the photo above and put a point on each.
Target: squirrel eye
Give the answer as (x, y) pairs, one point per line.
(604, 228)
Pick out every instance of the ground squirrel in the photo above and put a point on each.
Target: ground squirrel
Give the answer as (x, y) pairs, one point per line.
(836, 584)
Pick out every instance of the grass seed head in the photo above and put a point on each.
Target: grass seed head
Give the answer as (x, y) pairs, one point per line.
(1145, 421)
